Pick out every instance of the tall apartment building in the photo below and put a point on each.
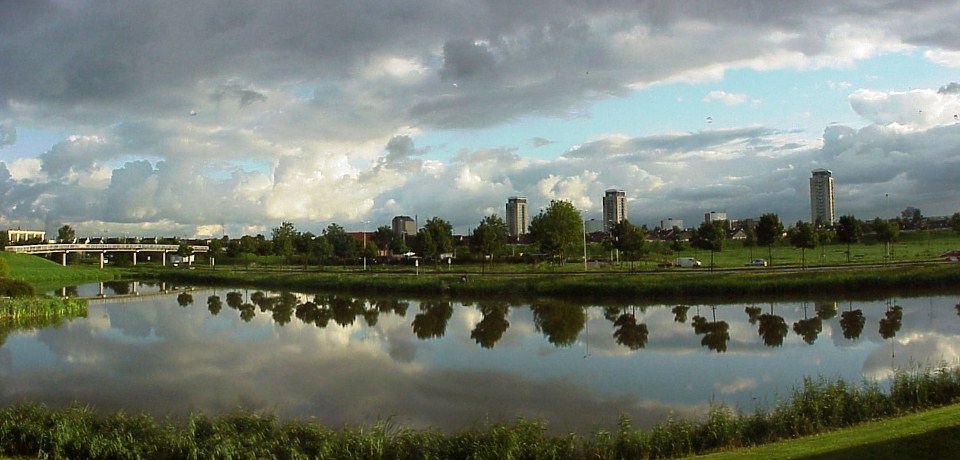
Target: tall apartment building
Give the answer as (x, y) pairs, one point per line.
(714, 215)
(517, 216)
(404, 225)
(614, 208)
(822, 208)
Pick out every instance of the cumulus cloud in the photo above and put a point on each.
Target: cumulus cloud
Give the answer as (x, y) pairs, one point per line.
(288, 113)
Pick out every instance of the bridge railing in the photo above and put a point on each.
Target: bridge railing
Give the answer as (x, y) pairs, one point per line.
(98, 247)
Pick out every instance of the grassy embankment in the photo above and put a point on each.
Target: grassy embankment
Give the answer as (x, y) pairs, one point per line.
(47, 275)
(817, 408)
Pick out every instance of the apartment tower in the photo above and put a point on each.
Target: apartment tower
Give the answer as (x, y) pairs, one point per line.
(404, 225)
(822, 208)
(517, 216)
(614, 208)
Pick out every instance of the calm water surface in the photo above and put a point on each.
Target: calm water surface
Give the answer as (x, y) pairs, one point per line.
(452, 365)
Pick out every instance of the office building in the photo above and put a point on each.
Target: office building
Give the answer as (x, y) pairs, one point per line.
(670, 223)
(614, 208)
(714, 215)
(517, 216)
(404, 225)
(822, 209)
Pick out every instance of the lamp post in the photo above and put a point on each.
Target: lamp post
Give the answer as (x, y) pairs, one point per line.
(584, 244)
(365, 223)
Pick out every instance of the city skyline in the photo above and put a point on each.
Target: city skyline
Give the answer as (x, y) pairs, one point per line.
(205, 119)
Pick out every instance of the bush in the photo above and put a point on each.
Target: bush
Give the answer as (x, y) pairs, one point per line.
(15, 288)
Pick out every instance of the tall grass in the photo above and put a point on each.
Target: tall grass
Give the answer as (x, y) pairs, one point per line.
(27, 309)
(818, 405)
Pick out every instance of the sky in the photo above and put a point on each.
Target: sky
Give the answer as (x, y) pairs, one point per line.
(204, 118)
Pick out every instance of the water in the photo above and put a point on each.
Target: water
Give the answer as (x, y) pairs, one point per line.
(450, 365)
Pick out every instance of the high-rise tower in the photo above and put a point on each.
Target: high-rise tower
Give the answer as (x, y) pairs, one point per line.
(822, 208)
(614, 208)
(517, 216)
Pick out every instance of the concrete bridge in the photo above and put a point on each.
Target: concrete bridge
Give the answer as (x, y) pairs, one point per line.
(102, 249)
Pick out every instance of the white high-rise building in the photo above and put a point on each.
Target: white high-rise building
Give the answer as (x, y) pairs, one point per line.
(614, 208)
(517, 216)
(822, 208)
(404, 225)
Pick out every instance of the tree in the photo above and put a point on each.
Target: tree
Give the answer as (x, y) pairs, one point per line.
(710, 236)
(66, 234)
(490, 236)
(769, 232)
(803, 236)
(955, 222)
(887, 232)
(282, 238)
(384, 237)
(436, 237)
(628, 239)
(557, 227)
(849, 231)
(341, 244)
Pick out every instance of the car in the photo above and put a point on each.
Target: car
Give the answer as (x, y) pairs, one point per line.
(756, 263)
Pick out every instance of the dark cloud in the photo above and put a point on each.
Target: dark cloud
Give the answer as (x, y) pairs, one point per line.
(8, 134)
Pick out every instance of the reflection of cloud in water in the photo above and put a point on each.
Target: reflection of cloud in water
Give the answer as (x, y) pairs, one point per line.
(737, 385)
(917, 353)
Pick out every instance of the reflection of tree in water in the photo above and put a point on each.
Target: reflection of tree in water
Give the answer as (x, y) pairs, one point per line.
(627, 331)
(214, 304)
(826, 310)
(559, 323)
(432, 320)
(118, 287)
(490, 329)
(891, 322)
(808, 328)
(234, 299)
(852, 322)
(958, 309)
(715, 333)
(680, 313)
(184, 299)
(773, 328)
(753, 314)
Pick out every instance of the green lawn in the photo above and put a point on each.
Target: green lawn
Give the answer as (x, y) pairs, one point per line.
(929, 434)
(44, 272)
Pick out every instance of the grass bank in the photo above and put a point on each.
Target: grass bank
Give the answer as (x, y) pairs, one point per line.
(45, 273)
(819, 406)
(673, 285)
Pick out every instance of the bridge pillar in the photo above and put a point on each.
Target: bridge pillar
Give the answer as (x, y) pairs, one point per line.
(101, 259)
(163, 257)
(63, 259)
(135, 258)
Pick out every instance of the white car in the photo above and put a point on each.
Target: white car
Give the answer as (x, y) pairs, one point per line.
(756, 263)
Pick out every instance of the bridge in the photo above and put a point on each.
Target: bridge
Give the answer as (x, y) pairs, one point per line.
(102, 249)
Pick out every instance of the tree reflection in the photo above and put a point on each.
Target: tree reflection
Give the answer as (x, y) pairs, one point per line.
(808, 328)
(490, 329)
(680, 313)
(851, 323)
(214, 304)
(118, 287)
(826, 310)
(559, 323)
(234, 299)
(773, 328)
(627, 331)
(753, 314)
(715, 333)
(184, 299)
(431, 322)
(891, 322)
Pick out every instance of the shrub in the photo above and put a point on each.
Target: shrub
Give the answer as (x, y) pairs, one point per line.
(15, 288)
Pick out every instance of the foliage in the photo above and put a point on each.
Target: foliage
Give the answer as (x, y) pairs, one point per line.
(283, 238)
(769, 231)
(803, 236)
(955, 222)
(628, 239)
(435, 238)
(66, 234)
(490, 237)
(556, 227)
(342, 244)
(710, 236)
(886, 231)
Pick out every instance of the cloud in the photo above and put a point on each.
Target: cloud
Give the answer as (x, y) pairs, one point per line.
(725, 98)
(186, 116)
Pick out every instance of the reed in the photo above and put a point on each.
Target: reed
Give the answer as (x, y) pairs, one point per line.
(816, 406)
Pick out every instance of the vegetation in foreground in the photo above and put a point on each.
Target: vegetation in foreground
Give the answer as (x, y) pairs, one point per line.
(818, 406)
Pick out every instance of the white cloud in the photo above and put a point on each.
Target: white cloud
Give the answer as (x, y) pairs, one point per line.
(725, 98)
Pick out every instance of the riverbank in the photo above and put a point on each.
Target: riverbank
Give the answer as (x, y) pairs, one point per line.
(819, 406)
(676, 286)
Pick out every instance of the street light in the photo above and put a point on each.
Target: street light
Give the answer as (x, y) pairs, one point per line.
(365, 223)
